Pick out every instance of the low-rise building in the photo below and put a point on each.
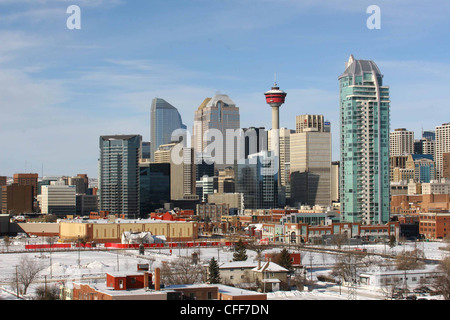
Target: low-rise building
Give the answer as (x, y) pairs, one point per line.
(144, 285)
(434, 225)
(111, 230)
(381, 280)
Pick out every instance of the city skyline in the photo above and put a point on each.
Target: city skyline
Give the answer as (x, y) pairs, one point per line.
(62, 89)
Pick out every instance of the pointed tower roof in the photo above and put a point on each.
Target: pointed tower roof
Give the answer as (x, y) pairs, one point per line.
(359, 67)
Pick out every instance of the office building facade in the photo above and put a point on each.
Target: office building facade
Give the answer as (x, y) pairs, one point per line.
(16, 199)
(119, 174)
(257, 180)
(216, 117)
(154, 186)
(164, 120)
(58, 199)
(401, 142)
(310, 162)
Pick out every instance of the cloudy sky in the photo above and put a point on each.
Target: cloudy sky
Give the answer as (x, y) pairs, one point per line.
(60, 89)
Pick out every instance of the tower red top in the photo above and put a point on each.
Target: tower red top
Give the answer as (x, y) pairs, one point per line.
(275, 97)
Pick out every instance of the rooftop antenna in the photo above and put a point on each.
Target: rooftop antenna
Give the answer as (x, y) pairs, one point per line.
(275, 79)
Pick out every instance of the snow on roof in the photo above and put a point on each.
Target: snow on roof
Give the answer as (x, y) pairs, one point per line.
(271, 267)
(234, 291)
(239, 264)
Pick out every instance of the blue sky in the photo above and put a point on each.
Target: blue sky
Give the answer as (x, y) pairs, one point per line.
(61, 89)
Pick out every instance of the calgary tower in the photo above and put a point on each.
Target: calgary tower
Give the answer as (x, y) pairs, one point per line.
(275, 98)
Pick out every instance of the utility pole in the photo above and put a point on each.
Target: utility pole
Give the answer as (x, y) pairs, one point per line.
(352, 288)
(17, 281)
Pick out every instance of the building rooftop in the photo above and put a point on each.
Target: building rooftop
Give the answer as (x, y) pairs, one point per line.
(359, 67)
(119, 137)
(233, 291)
(123, 221)
(220, 97)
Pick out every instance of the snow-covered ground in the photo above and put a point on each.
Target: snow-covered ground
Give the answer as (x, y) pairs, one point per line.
(75, 265)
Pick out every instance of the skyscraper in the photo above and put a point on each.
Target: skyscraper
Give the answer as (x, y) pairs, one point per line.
(164, 120)
(154, 186)
(364, 165)
(256, 179)
(182, 169)
(213, 118)
(401, 142)
(442, 145)
(310, 161)
(119, 174)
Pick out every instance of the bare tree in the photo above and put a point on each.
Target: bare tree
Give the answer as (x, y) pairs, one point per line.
(442, 281)
(409, 260)
(258, 248)
(181, 271)
(348, 265)
(339, 240)
(26, 272)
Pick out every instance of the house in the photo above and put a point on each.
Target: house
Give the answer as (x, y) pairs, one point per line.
(237, 272)
(247, 274)
(271, 275)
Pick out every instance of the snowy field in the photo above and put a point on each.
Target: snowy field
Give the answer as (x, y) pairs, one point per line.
(85, 264)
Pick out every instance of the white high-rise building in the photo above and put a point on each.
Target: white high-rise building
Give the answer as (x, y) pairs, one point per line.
(442, 145)
(285, 152)
(401, 142)
(310, 162)
(58, 199)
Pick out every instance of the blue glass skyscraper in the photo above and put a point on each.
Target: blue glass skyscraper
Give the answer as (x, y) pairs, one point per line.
(164, 120)
(119, 174)
(364, 142)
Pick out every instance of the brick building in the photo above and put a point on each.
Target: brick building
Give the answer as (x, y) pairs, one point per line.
(16, 199)
(434, 225)
(419, 203)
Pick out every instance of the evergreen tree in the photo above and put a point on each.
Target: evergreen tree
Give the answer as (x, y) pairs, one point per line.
(284, 259)
(214, 273)
(240, 252)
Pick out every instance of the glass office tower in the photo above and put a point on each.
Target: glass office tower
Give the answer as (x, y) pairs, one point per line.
(364, 169)
(154, 187)
(164, 120)
(119, 174)
(257, 180)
